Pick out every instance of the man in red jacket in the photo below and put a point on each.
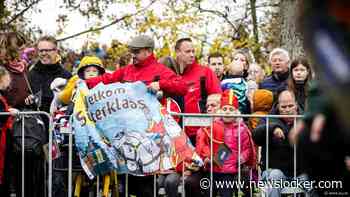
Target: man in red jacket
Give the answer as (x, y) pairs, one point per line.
(201, 81)
(145, 68)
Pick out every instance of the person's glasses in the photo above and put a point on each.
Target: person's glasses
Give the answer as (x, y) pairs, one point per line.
(46, 50)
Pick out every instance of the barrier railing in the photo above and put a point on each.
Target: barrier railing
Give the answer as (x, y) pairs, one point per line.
(21, 115)
(206, 120)
(189, 119)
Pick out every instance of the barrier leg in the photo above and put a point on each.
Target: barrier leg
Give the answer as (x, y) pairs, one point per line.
(45, 181)
(183, 180)
(23, 156)
(98, 186)
(239, 155)
(126, 185)
(106, 183)
(267, 143)
(211, 158)
(183, 170)
(295, 158)
(78, 183)
(155, 185)
(116, 185)
(50, 154)
(70, 158)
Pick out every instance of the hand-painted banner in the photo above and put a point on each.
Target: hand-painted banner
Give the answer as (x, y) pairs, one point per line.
(123, 127)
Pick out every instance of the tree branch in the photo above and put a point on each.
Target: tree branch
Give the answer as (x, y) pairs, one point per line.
(22, 12)
(254, 20)
(218, 13)
(267, 5)
(196, 37)
(109, 24)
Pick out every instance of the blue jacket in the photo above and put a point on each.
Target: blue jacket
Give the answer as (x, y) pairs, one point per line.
(275, 83)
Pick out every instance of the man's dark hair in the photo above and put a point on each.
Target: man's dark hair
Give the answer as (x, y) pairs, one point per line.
(180, 41)
(48, 39)
(214, 55)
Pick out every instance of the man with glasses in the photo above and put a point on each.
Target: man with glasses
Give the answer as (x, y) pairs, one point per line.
(145, 68)
(45, 71)
(40, 77)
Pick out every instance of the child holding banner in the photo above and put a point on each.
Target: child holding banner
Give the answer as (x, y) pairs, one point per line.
(89, 67)
(225, 145)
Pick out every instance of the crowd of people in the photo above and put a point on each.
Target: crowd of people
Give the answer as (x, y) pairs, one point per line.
(41, 82)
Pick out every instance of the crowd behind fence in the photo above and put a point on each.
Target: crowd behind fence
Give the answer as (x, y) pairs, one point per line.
(201, 120)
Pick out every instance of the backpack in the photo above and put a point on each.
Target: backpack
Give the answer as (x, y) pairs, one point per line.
(35, 135)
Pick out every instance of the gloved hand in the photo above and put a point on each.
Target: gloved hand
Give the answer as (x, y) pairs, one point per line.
(155, 89)
(58, 84)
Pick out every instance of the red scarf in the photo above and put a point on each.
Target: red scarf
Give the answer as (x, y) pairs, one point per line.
(16, 66)
(3, 133)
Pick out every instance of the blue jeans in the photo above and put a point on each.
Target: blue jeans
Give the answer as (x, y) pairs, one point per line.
(170, 182)
(278, 175)
(273, 175)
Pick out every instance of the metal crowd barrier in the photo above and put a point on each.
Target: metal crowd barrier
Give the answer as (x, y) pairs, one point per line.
(21, 115)
(189, 119)
(70, 134)
(206, 120)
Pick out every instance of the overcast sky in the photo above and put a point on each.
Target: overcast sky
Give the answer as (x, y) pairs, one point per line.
(51, 9)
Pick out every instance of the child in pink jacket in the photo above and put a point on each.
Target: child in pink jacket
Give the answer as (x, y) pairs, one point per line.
(225, 145)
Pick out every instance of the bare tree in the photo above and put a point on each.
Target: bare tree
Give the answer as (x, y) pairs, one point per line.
(290, 38)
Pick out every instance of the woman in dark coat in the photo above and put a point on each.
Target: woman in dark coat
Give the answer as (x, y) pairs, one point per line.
(10, 43)
(300, 76)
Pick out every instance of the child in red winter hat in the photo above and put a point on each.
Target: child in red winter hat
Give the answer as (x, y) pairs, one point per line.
(226, 131)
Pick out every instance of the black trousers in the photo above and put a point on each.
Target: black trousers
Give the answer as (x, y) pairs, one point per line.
(141, 186)
(34, 176)
(5, 187)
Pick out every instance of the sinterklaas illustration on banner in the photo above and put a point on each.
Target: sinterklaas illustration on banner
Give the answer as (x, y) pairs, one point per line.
(123, 127)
